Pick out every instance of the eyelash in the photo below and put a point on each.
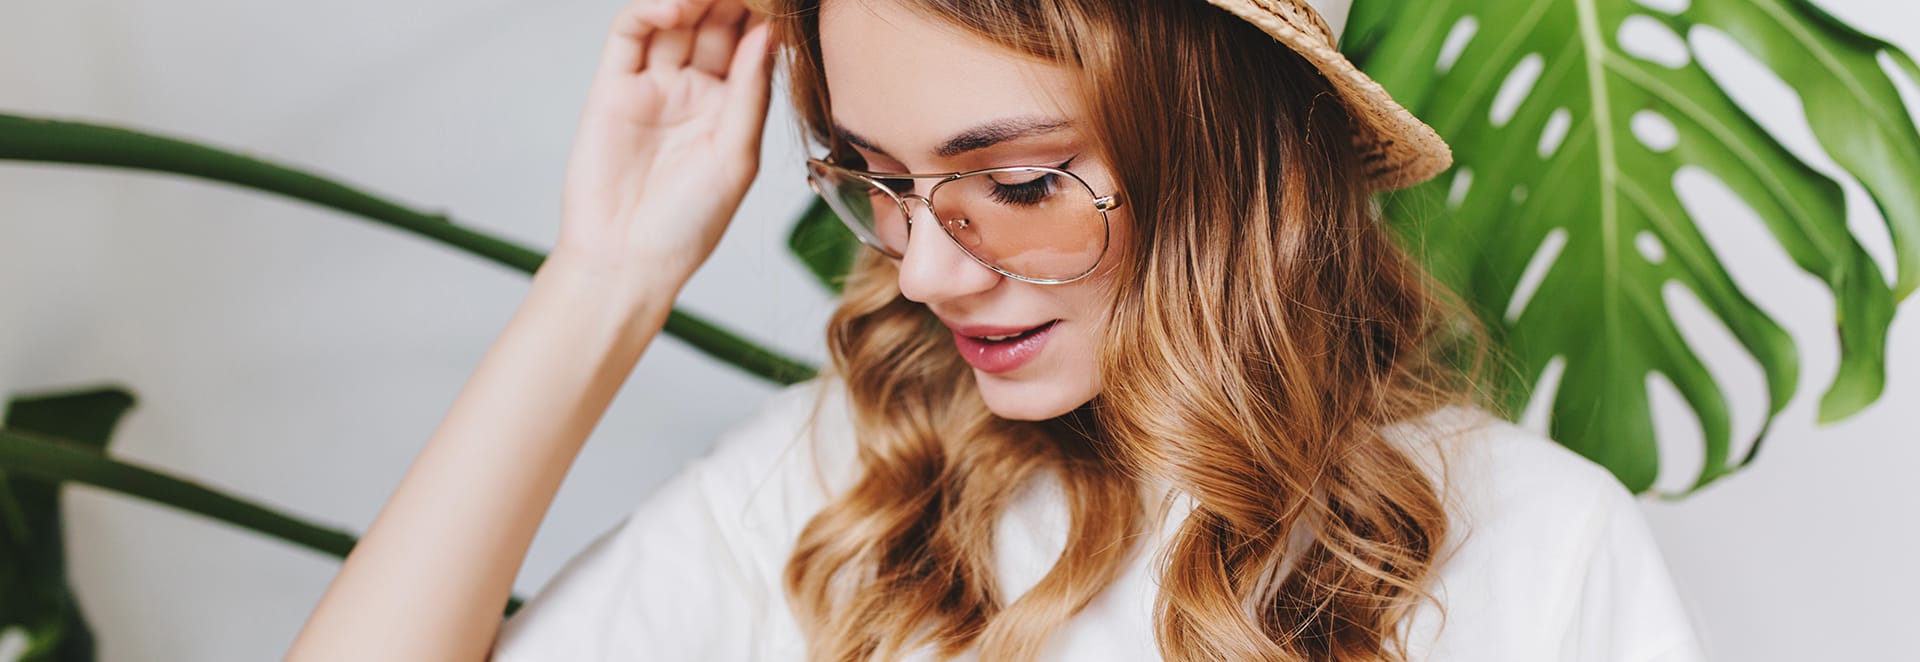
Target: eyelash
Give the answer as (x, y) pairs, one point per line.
(1022, 194)
(1030, 192)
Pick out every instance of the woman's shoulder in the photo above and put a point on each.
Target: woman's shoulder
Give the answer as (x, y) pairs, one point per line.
(1547, 552)
(802, 428)
(768, 474)
(693, 572)
(1513, 491)
(1489, 467)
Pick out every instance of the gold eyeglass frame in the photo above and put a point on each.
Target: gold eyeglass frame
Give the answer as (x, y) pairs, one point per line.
(1101, 203)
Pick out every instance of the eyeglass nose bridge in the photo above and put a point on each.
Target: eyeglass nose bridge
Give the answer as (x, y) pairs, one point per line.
(913, 197)
(951, 225)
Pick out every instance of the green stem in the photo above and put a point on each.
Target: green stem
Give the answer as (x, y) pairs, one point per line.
(58, 460)
(59, 141)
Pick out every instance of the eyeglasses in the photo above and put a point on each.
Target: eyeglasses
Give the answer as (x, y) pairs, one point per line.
(1032, 223)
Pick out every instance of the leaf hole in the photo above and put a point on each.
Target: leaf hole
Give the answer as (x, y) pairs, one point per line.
(1519, 193)
(1760, 92)
(1516, 88)
(1462, 184)
(13, 642)
(1753, 258)
(1538, 416)
(1650, 247)
(1655, 131)
(1536, 272)
(1456, 42)
(1676, 428)
(1736, 373)
(1555, 132)
(1762, 271)
(1903, 82)
(1649, 39)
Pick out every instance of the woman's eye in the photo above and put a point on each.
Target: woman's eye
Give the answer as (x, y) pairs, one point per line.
(1026, 188)
(1030, 192)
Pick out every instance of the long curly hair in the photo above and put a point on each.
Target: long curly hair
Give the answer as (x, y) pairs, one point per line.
(1266, 333)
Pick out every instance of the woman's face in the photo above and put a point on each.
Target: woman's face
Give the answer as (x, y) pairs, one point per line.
(912, 94)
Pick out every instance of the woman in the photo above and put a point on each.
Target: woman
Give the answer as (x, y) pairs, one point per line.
(1133, 372)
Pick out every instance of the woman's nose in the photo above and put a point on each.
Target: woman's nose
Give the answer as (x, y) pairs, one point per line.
(933, 268)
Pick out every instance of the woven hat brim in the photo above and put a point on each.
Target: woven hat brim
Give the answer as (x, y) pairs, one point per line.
(1397, 149)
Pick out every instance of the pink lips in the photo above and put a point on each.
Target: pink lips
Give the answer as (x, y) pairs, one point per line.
(1000, 356)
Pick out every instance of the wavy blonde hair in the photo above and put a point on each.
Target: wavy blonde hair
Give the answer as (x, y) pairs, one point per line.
(1264, 335)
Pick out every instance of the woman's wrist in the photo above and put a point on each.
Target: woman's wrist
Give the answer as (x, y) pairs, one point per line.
(599, 291)
(451, 537)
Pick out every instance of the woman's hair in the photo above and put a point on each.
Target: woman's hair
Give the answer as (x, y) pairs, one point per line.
(1265, 333)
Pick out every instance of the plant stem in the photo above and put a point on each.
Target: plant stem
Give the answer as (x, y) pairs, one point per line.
(60, 141)
(58, 460)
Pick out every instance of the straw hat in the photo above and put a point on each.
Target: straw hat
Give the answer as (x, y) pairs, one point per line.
(1399, 150)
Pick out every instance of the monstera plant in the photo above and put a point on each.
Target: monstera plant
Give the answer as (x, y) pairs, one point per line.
(1572, 122)
(1579, 177)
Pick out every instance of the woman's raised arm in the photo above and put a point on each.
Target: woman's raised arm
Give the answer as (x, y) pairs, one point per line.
(668, 144)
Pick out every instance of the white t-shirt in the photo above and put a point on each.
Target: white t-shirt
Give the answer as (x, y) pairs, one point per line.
(1551, 559)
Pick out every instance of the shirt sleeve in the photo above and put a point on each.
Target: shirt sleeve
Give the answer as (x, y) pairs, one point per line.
(663, 584)
(1626, 607)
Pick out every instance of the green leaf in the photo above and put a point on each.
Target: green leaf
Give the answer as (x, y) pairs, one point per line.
(52, 439)
(50, 458)
(1853, 107)
(1601, 306)
(824, 244)
(33, 558)
(57, 141)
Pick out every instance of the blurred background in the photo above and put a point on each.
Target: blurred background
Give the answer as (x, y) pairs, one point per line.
(301, 357)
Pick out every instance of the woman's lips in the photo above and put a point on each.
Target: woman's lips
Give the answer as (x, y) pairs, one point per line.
(1004, 355)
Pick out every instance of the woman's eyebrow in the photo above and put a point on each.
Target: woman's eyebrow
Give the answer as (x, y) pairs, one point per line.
(977, 138)
(996, 132)
(858, 141)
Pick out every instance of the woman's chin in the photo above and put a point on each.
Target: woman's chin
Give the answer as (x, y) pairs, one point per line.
(1032, 399)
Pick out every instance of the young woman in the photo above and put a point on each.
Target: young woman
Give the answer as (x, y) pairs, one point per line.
(1133, 372)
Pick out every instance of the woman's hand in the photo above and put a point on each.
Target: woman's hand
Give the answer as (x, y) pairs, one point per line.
(668, 142)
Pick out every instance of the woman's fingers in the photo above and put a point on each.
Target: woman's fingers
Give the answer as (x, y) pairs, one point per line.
(714, 38)
(627, 39)
(674, 34)
(670, 47)
(749, 76)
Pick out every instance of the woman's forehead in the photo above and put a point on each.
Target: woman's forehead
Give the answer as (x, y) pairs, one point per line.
(911, 86)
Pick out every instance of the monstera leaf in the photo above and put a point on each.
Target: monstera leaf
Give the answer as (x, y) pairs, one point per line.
(1561, 222)
(51, 439)
(824, 245)
(33, 564)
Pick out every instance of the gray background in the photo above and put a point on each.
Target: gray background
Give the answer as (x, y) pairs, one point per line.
(301, 357)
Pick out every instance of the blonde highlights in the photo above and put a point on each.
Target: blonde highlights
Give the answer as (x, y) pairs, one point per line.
(1265, 334)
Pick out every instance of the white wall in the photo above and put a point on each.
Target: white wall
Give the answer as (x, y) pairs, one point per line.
(302, 357)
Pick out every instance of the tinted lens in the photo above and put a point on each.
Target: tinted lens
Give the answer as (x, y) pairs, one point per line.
(1038, 223)
(871, 213)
